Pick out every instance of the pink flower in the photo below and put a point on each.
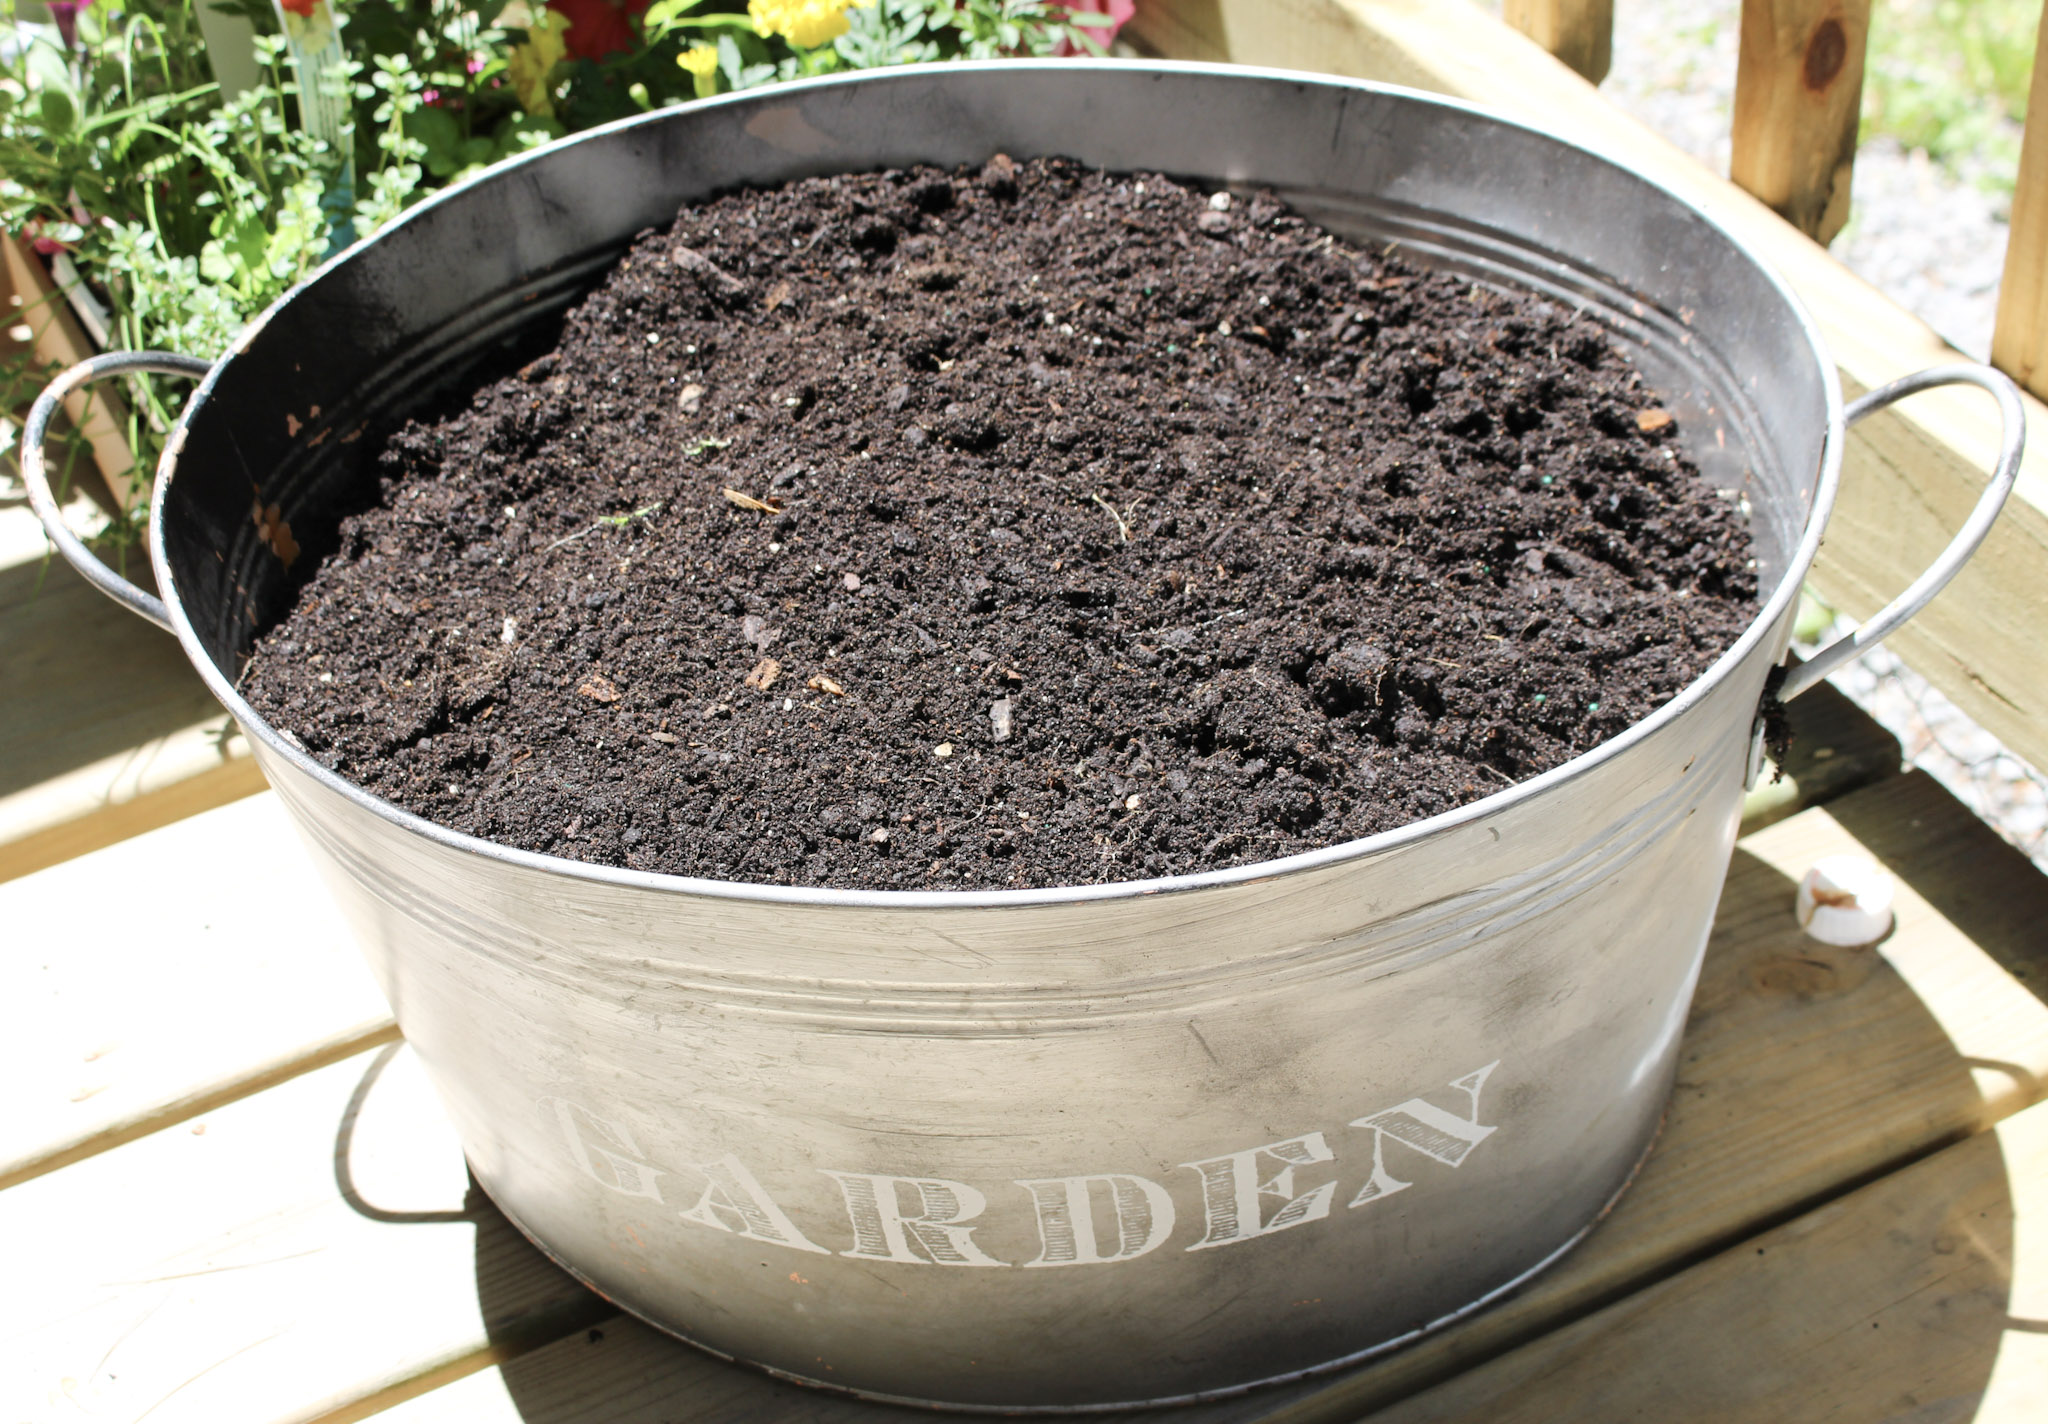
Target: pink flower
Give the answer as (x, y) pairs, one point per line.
(1119, 11)
(65, 13)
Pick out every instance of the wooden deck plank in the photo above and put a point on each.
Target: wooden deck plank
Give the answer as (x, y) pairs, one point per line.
(2019, 341)
(280, 1259)
(1912, 473)
(1922, 1297)
(1806, 1072)
(164, 976)
(108, 731)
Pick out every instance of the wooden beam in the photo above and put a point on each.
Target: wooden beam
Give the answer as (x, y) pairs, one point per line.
(1907, 469)
(1798, 97)
(59, 343)
(1578, 32)
(2019, 347)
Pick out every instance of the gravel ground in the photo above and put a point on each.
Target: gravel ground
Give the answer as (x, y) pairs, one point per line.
(1935, 244)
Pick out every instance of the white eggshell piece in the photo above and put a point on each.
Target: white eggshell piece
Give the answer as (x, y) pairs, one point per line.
(1845, 900)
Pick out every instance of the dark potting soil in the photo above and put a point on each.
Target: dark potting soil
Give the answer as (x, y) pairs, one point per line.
(1020, 527)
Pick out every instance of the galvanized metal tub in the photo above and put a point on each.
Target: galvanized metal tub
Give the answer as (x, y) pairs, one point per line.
(1071, 1147)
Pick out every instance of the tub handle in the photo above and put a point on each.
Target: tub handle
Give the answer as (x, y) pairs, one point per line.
(113, 363)
(2012, 440)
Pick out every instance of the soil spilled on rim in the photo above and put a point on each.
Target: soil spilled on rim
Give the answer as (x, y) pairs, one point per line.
(1021, 527)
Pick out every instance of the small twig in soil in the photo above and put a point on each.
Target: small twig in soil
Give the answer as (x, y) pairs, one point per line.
(620, 521)
(747, 501)
(606, 521)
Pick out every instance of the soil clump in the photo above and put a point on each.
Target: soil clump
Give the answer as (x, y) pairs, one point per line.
(1015, 527)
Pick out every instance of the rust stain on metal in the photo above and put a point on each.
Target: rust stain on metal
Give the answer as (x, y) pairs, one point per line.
(274, 529)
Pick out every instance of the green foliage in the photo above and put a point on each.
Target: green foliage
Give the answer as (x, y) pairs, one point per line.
(922, 31)
(1950, 77)
(185, 214)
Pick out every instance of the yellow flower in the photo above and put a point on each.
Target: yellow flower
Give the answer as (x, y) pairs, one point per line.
(702, 63)
(530, 64)
(806, 24)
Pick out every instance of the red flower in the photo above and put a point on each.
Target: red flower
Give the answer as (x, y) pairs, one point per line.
(598, 27)
(302, 8)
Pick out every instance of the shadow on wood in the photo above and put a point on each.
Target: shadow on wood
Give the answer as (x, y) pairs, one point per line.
(1995, 896)
(85, 678)
(1893, 1303)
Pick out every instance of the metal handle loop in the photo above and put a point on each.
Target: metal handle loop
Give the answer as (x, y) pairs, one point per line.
(2012, 440)
(114, 363)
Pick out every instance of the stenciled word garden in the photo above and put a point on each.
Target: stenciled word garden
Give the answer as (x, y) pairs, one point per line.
(1087, 1220)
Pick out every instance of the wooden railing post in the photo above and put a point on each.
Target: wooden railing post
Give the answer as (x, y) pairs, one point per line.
(2019, 346)
(1579, 32)
(101, 415)
(1798, 95)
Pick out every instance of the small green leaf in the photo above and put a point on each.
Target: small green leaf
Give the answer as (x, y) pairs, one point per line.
(59, 110)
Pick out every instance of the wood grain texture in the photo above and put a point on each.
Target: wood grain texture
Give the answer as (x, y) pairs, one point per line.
(107, 732)
(158, 783)
(1798, 97)
(60, 342)
(1922, 1297)
(1579, 32)
(284, 1258)
(1806, 1071)
(1909, 471)
(2019, 343)
(166, 976)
